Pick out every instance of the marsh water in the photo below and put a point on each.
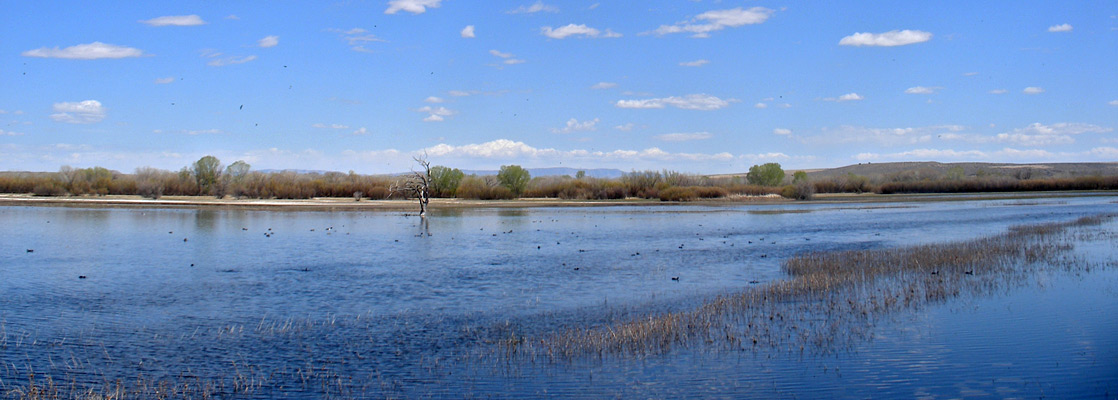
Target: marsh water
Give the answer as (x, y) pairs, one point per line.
(382, 304)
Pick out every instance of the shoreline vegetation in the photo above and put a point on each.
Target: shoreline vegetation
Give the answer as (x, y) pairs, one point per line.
(829, 299)
(238, 185)
(402, 205)
(828, 302)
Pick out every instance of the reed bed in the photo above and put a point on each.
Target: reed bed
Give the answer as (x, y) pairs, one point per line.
(829, 299)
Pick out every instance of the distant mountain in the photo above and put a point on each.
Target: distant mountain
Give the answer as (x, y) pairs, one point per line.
(558, 171)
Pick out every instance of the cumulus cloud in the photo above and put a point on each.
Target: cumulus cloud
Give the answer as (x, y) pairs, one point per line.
(684, 137)
(1038, 134)
(573, 125)
(688, 102)
(268, 41)
(536, 7)
(625, 127)
(357, 38)
(1033, 90)
(164, 81)
(610, 85)
(507, 58)
(361, 131)
(412, 6)
(703, 24)
(887, 39)
(468, 32)
(922, 90)
(434, 99)
(1060, 28)
(782, 131)
(696, 63)
(576, 30)
(880, 136)
(760, 105)
(82, 112)
(508, 149)
(435, 114)
(175, 20)
(91, 51)
(845, 97)
(1113, 103)
(9, 133)
(998, 91)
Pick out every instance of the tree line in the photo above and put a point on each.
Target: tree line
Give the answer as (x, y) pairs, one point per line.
(209, 177)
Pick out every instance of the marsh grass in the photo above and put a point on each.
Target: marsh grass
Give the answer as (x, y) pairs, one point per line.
(830, 300)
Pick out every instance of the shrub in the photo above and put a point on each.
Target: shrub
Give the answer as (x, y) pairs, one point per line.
(50, 188)
(678, 194)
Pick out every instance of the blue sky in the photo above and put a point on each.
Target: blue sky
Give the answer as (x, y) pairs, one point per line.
(694, 86)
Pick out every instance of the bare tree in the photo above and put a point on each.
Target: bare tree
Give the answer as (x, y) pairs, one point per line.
(419, 184)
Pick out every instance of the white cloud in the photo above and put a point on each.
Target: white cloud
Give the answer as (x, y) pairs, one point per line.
(458, 93)
(703, 24)
(189, 132)
(625, 127)
(684, 137)
(9, 133)
(468, 32)
(970, 74)
(500, 54)
(998, 91)
(573, 125)
(82, 112)
(610, 85)
(688, 102)
(845, 97)
(536, 7)
(576, 30)
(434, 99)
(91, 51)
(1060, 28)
(164, 81)
(1033, 90)
(504, 149)
(435, 114)
(330, 126)
(696, 63)
(880, 136)
(1110, 153)
(268, 41)
(361, 131)
(887, 39)
(760, 105)
(1038, 134)
(357, 38)
(925, 154)
(412, 6)
(175, 20)
(922, 90)
(232, 17)
(221, 62)
(782, 131)
(1113, 103)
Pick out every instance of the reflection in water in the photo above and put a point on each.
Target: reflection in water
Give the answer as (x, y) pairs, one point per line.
(392, 305)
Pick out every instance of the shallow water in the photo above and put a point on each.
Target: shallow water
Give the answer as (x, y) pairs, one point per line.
(383, 304)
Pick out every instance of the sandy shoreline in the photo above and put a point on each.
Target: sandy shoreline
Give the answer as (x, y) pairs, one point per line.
(348, 204)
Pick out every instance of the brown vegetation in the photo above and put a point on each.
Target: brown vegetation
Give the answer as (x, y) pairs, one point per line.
(827, 299)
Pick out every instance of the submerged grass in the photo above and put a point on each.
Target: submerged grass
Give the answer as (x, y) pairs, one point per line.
(829, 299)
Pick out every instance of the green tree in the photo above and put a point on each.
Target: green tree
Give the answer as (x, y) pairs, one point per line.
(445, 180)
(799, 176)
(514, 178)
(769, 174)
(206, 171)
(580, 174)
